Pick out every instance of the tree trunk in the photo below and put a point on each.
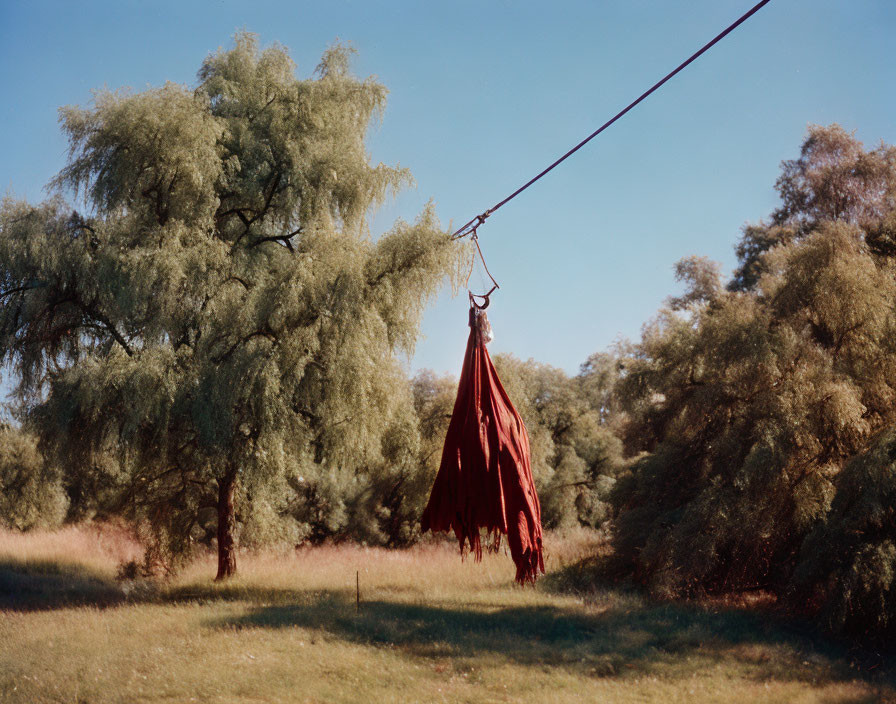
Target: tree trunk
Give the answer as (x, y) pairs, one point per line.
(226, 526)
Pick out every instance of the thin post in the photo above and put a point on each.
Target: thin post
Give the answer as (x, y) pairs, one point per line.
(358, 589)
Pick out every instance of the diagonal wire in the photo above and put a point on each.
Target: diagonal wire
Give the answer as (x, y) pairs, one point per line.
(471, 226)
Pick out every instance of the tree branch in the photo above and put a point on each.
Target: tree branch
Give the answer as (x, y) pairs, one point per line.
(274, 182)
(285, 239)
(19, 289)
(258, 333)
(108, 326)
(266, 106)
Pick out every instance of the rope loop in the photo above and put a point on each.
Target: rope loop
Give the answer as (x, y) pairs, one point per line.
(484, 296)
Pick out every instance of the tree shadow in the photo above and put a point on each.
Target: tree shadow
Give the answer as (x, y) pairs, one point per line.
(618, 640)
(48, 585)
(614, 634)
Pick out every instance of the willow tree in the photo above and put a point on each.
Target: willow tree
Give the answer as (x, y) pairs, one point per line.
(217, 321)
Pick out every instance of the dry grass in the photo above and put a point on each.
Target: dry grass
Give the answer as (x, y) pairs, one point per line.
(95, 547)
(430, 629)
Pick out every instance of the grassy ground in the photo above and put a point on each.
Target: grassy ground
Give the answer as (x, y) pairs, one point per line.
(430, 629)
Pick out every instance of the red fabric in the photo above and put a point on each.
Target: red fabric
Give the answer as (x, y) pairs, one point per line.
(484, 479)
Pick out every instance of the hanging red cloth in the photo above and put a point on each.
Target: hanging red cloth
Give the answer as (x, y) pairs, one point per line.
(484, 479)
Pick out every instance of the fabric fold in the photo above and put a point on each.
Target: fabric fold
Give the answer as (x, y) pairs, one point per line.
(484, 484)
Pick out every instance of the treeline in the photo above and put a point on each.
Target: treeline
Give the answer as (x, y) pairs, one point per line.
(575, 459)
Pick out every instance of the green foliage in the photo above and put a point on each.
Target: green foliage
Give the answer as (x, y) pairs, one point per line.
(847, 565)
(31, 493)
(575, 455)
(434, 398)
(220, 320)
(378, 503)
(750, 401)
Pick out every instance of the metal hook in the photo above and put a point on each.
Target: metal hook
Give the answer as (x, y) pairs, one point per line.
(483, 296)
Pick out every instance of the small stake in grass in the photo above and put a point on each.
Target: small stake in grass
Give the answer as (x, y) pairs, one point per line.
(358, 590)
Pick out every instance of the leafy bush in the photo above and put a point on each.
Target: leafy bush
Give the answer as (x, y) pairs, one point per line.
(847, 567)
(575, 454)
(749, 401)
(31, 494)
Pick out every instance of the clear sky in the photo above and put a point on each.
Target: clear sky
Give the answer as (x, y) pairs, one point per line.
(483, 95)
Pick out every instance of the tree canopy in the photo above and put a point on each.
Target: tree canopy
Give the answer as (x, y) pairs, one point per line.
(216, 329)
(749, 402)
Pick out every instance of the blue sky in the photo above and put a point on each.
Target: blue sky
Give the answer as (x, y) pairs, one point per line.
(483, 95)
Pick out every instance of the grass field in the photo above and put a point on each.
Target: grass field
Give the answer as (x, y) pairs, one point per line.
(430, 629)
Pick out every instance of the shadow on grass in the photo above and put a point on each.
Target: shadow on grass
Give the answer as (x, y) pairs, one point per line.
(41, 586)
(615, 633)
(623, 639)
